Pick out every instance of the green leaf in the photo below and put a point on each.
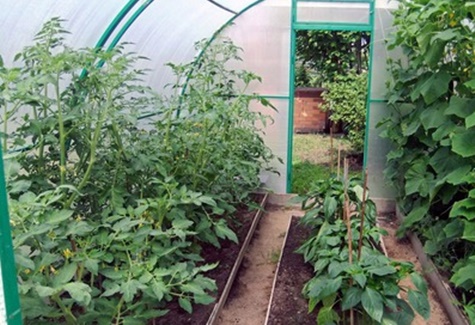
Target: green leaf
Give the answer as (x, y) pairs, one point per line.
(327, 316)
(159, 289)
(182, 223)
(470, 121)
(416, 215)
(185, 304)
(65, 274)
(92, 265)
(464, 274)
(130, 288)
(19, 186)
(360, 278)
(445, 35)
(203, 299)
(382, 270)
(470, 84)
(223, 231)
(420, 303)
(435, 86)
(351, 298)
(24, 261)
(419, 282)
(44, 292)
(80, 292)
(462, 143)
(433, 117)
(193, 288)
(469, 230)
(372, 303)
(460, 107)
(59, 216)
(329, 206)
(463, 208)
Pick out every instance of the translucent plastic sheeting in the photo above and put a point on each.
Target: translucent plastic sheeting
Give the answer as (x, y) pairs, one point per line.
(264, 35)
(377, 150)
(383, 31)
(167, 31)
(20, 20)
(275, 138)
(234, 5)
(339, 12)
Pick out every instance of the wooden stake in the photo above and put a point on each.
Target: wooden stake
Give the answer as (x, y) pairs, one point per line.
(347, 215)
(332, 161)
(363, 208)
(339, 159)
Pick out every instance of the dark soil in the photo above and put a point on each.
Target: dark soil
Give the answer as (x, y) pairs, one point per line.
(226, 256)
(288, 306)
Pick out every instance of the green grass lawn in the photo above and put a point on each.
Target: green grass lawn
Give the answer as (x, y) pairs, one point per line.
(312, 159)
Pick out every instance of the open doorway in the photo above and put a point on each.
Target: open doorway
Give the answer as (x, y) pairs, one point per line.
(330, 100)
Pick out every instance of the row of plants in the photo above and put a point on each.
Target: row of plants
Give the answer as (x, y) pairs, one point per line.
(354, 282)
(432, 127)
(109, 210)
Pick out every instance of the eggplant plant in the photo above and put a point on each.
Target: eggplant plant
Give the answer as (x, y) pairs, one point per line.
(354, 286)
(109, 210)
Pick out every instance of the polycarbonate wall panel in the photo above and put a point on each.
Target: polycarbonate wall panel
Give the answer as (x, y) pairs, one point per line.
(275, 138)
(377, 150)
(333, 12)
(383, 31)
(20, 20)
(263, 33)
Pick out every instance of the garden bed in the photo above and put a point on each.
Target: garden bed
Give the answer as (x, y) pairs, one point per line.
(229, 257)
(287, 304)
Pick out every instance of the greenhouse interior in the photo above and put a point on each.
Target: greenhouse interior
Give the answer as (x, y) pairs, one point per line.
(237, 162)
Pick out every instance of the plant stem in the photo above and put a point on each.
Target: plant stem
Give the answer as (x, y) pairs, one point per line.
(70, 319)
(363, 207)
(62, 133)
(93, 147)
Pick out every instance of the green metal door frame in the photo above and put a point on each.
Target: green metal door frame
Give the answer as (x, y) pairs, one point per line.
(324, 26)
(7, 259)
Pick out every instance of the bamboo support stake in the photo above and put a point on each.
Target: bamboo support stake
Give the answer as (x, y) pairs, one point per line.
(347, 216)
(339, 159)
(363, 208)
(332, 162)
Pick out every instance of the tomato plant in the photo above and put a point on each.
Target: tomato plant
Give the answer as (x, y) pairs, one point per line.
(431, 96)
(109, 210)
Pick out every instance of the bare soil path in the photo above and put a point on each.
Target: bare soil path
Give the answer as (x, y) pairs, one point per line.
(402, 250)
(249, 298)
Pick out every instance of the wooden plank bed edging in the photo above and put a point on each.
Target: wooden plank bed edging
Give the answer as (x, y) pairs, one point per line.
(227, 288)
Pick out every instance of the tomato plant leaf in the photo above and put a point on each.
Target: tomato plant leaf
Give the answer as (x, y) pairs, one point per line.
(79, 291)
(185, 304)
(65, 274)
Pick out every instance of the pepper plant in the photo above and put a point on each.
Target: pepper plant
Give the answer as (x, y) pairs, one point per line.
(431, 96)
(354, 285)
(110, 210)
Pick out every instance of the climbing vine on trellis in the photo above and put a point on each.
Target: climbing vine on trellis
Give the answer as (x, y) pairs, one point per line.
(432, 128)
